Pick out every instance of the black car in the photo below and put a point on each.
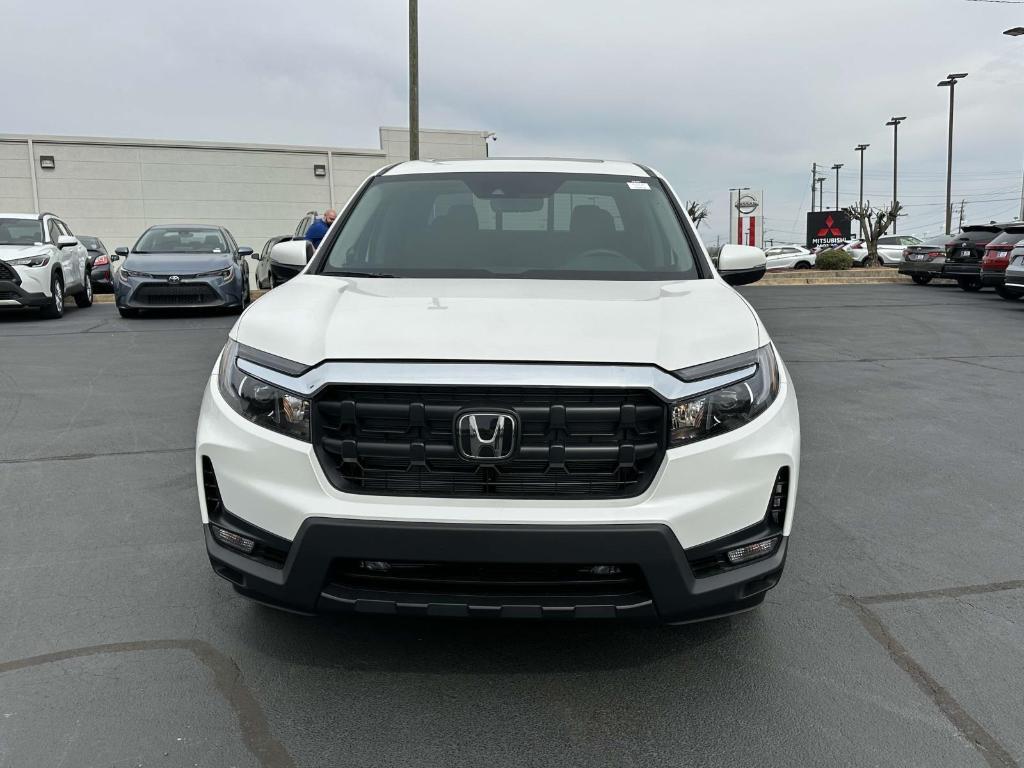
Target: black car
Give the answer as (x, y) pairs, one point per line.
(965, 252)
(98, 262)
(264, 272)
(925, 260)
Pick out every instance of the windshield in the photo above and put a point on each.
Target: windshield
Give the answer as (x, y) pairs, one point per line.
(181, 240)
(513, 225)
(20, 231)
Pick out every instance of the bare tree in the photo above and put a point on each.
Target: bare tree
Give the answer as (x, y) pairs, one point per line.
(698, 212)
(873, 224)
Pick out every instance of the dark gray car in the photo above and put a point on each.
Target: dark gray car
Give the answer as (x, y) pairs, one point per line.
(178, 266)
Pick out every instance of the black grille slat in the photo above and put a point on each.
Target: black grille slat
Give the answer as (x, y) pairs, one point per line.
(175, 295)
(574, 443)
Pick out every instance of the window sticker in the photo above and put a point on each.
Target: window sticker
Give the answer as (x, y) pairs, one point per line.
(635, 184)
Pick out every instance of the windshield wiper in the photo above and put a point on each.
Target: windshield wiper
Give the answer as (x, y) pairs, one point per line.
(347, 273)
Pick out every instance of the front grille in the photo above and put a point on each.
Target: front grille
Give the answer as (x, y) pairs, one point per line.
(574, 443)
(8, 273)
(175, 295)
(442, 578)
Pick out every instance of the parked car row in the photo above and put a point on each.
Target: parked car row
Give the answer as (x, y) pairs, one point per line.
(977, 257)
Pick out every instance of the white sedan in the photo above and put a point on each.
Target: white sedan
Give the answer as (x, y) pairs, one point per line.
(890, 249)
(789, 257)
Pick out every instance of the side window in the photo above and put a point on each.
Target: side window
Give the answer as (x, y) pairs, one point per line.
(888, 241)
(910, 241)
(64, 228)
(231, 240)
(53, 230)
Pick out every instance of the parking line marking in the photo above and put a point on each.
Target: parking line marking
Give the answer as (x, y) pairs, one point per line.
(81, 456)
(991, 750)
(227, 678)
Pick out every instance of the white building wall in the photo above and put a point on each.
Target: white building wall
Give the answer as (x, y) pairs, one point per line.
(116, 188)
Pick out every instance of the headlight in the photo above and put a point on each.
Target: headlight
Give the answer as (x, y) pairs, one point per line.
(132, 273)
(728, 408)
(40, 260)
(225, 273)
(262, 403)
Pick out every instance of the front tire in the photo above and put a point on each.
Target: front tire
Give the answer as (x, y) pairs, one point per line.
(55, 308)
(83, 298)
(921, 279)
(969, 284)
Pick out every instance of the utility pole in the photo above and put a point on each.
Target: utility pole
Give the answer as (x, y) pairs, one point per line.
(961, 226)
(814, 183)
(414, 81)
(895, 123)
(836, 168)
(860, 148)
(1022, 197)
(950, 82)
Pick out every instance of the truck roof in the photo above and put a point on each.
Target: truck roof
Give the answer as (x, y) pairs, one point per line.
(519, 165)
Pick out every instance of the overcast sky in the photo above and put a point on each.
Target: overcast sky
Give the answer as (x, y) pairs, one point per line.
(715, 94)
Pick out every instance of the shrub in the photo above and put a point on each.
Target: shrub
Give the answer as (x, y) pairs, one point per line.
(833, 259)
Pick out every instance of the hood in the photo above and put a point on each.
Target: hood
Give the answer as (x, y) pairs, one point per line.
(177, 263)
(9, 252)
(673, 325)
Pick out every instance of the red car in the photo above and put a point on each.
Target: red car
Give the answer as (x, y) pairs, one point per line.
(997, 257)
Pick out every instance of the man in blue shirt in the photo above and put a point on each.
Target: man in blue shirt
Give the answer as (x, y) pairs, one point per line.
(319, 227)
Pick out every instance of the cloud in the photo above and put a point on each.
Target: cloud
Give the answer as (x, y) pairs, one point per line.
(714, 94)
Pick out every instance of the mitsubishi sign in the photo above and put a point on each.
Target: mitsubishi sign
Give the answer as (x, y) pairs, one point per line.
(827, 228)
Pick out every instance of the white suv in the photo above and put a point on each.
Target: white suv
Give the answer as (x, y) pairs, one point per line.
(41, 262)
(510, 388)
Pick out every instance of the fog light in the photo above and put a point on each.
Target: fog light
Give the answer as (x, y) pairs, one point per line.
(233, 540)
(604, 570)
(752, 551)
(381, 566)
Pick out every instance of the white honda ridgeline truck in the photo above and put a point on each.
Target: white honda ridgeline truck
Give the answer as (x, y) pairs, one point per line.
(511, 388)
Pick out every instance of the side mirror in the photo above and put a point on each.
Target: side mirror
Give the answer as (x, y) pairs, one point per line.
(293, 253)
(245, 251)
(122, 251)
(66, 241)
(741, 264)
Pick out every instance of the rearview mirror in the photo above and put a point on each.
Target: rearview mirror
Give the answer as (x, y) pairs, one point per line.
(741, 264)
(245, 251)
(293, 253)
(66, 241)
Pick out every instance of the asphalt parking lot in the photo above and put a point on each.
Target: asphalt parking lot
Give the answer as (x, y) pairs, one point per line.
(895, 637)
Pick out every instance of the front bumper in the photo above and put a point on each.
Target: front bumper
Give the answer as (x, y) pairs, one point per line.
(159, 293)
(12, 294)
(309, 582)
(704, 495)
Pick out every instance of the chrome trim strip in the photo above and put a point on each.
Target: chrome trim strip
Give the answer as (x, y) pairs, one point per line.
(493, 374)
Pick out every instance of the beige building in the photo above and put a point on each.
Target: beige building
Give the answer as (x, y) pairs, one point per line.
(115, 188)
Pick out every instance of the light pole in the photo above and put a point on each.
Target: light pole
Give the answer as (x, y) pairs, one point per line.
(821, 193)
(950, 82)
(488, 138)
(860, 199)
(895, 123)
(739, 191)
(836, 168)
(414, 81)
